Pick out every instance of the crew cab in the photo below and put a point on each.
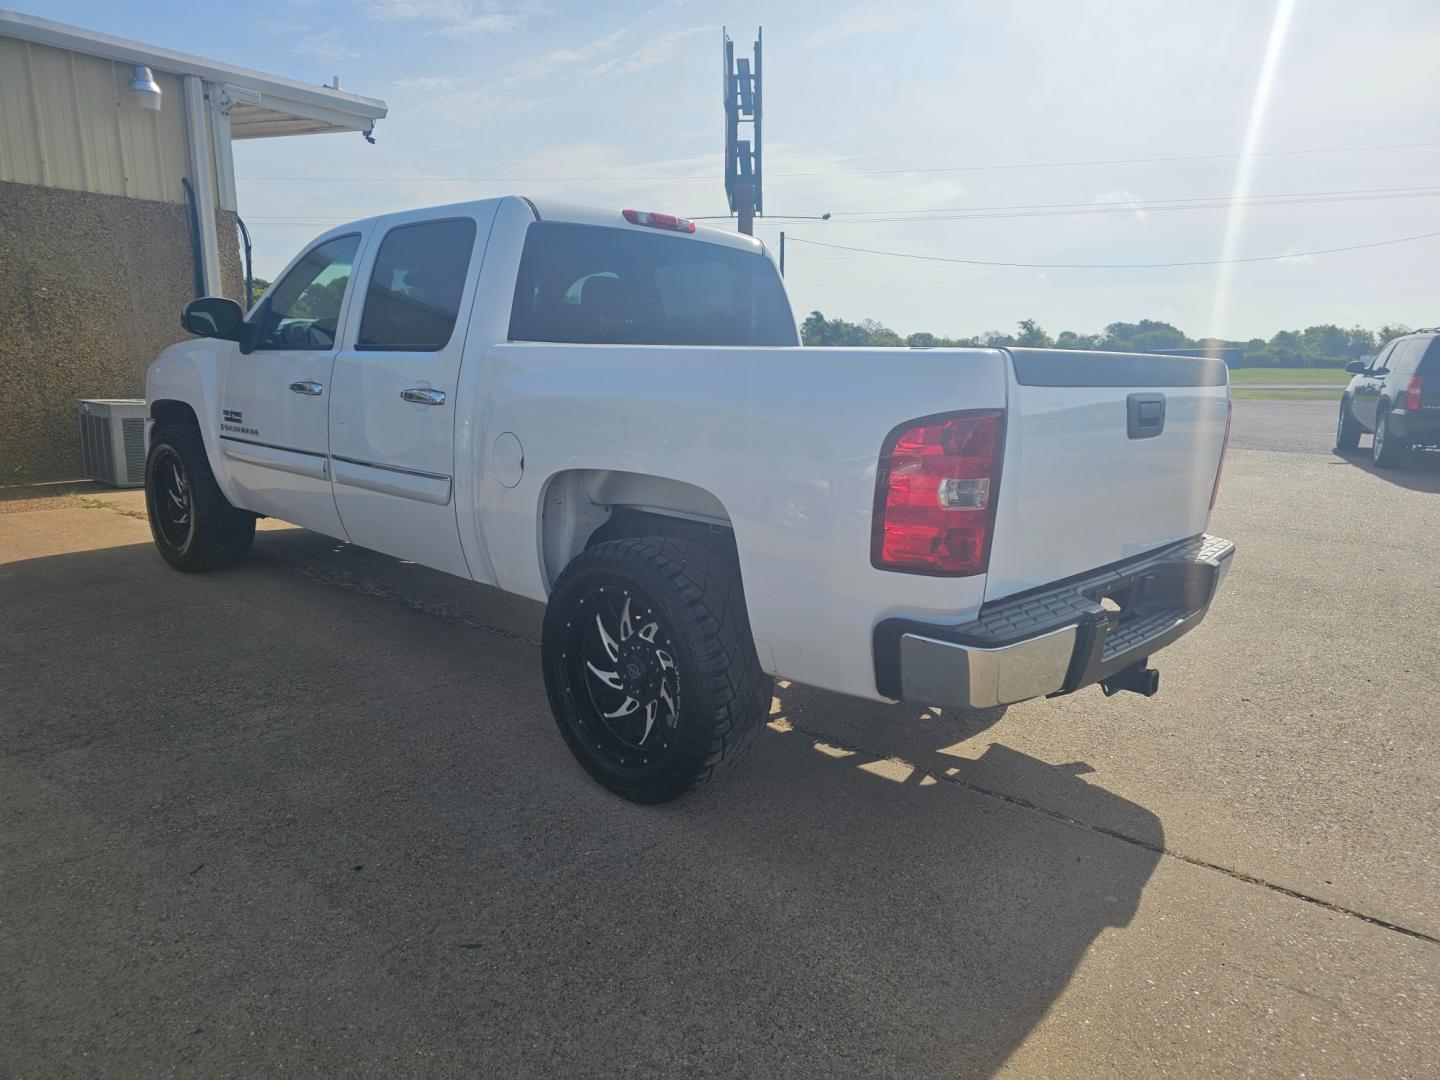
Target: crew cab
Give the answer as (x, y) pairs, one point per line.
(1396, 396)
(610, 412)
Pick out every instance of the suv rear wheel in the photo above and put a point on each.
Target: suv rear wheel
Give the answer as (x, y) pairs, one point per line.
(1387, 451)
(650, 668)
(194, 526)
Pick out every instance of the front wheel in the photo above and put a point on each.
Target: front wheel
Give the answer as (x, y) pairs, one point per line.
(1347, 432)
(194, 526)
(650, 668)
(1387, 452)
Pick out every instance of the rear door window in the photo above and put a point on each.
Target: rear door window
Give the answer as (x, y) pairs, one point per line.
(413, 298)
(591, 284)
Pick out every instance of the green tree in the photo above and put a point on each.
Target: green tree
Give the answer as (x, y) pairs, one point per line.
(1032, 335)
(1323, 345)
(257, 289)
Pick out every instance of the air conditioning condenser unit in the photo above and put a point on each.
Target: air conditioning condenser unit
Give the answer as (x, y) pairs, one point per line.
(112, 440)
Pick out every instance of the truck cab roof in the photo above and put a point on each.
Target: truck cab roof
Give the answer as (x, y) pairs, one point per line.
(547, 209)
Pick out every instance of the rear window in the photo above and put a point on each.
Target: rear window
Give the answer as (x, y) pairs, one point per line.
(1430, 365)
(591, 284)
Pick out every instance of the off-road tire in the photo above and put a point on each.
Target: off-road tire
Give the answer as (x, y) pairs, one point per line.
(218, 535)
(1388, 452)
(723, 695)
(1347, 431)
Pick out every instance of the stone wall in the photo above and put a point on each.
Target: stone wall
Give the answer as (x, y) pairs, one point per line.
(91, 288)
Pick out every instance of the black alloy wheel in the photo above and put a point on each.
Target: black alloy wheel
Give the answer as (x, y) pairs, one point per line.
(650, 669)
(194, 526)
(621, 675)
(174, 514)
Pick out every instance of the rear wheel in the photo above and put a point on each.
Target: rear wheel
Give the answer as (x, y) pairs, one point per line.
(1347, 432)
(1387, 451)
(650, 668)
(194, 526)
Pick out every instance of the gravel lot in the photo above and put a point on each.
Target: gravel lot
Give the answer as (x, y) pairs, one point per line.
(312, 816)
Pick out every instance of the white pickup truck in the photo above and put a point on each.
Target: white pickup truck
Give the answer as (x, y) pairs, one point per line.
(609, 411)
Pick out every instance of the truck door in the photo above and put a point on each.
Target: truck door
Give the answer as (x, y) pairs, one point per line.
(393, 410)
(273, 400)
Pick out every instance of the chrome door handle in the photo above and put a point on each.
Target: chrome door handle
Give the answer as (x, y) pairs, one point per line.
(423, 396)
(310, 389)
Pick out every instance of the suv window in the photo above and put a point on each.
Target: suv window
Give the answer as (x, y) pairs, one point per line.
(592, 284)
(1382, 357)
(303, 309)
(1430, 362)
(414, 294)
(1403, 360)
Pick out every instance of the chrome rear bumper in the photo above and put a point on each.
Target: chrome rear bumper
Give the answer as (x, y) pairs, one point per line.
(1057, 639)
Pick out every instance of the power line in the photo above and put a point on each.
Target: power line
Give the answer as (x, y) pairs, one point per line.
(1113, 266)
(641, 177)
(1126, 205)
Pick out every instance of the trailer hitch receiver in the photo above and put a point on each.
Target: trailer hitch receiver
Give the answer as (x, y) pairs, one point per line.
(1138, 678)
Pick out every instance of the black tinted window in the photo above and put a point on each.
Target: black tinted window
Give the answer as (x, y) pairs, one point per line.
(597, 285)
(303, 309)
(1431, 363)
(414, 292)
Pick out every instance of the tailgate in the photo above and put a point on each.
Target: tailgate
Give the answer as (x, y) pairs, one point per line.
(1107, 456)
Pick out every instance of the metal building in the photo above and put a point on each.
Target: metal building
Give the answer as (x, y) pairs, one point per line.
(117, 204)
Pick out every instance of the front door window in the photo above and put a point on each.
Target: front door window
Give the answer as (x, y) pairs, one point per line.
(303, 310)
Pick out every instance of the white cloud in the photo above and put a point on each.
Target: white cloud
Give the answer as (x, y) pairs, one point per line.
(326, 46)
(653, 52)
(462, 103)
(1121, 197)
(861, 21)
(457, 19)
(560, 59)
(430, 83)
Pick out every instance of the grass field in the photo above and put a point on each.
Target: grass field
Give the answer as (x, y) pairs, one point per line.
(1317, 393)
(1307, 375)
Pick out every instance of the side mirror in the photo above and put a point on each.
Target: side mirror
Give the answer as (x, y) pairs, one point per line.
(214, 317)
(1355, 367)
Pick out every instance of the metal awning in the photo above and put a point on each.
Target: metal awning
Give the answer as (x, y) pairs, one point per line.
(262, 106)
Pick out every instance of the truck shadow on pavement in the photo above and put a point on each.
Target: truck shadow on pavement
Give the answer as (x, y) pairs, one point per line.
(240, 827)
(1420, 471)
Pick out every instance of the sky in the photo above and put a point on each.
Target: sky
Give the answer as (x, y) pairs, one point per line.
(903, 121)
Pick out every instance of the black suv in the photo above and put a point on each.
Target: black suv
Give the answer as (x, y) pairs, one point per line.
(1397, 396)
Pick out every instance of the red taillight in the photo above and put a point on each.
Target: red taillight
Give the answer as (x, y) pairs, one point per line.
(1412, 393)
(935, 494)
(659, 221)
(1220, 468)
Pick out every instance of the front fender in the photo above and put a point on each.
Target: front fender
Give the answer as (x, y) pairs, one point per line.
(189, 372)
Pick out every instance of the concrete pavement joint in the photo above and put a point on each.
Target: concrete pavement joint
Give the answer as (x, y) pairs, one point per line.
(90, 503)
(1026, 804)
(349, 582)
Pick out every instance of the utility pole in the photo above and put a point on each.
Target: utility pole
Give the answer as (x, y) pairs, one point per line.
(743, 171)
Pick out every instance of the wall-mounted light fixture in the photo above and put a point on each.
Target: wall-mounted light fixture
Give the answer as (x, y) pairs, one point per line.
(144, 90)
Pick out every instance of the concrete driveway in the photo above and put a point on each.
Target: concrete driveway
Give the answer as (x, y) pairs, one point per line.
(312, 816)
